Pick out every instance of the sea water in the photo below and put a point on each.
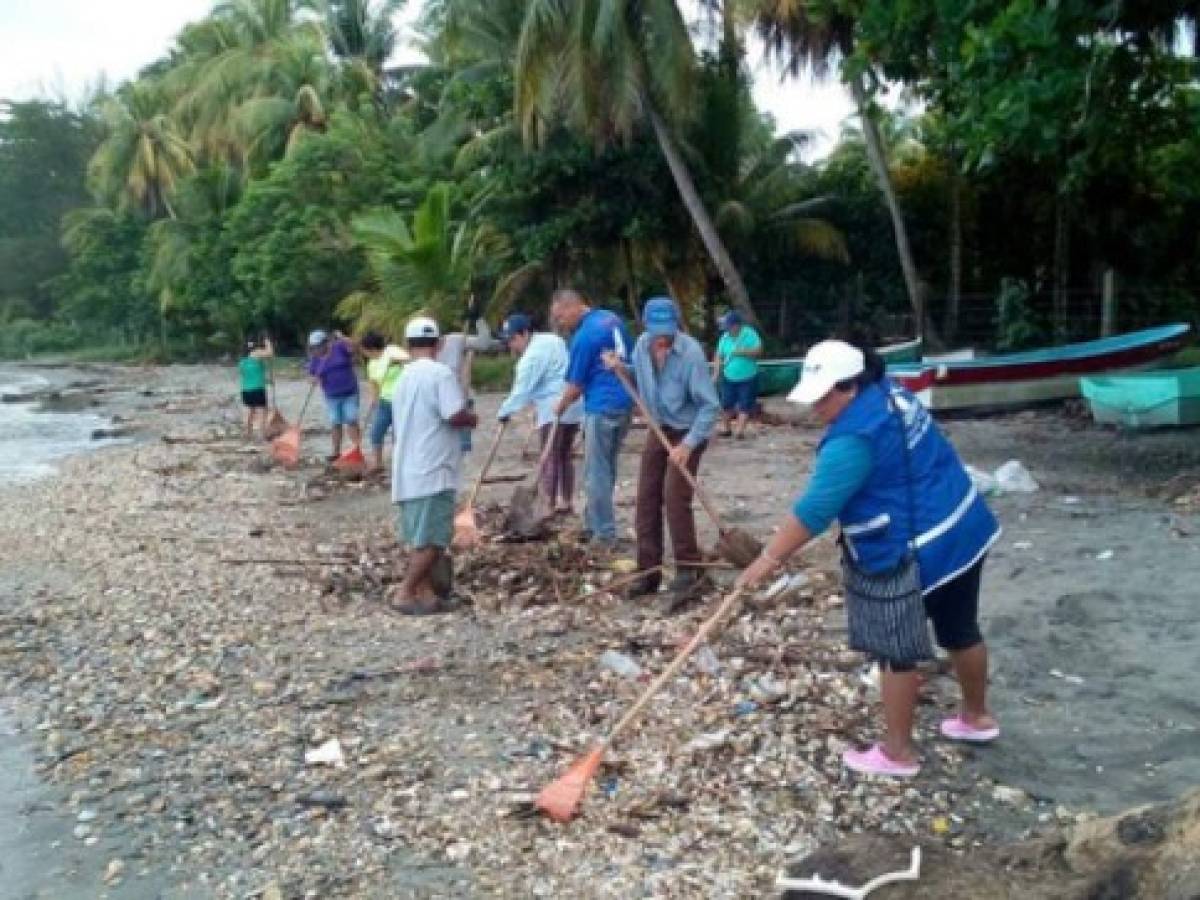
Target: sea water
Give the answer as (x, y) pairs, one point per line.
(32, 440)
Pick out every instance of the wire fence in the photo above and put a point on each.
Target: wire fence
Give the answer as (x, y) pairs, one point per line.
(983, 321)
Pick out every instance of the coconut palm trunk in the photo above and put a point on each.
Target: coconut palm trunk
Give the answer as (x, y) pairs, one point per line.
(877, 155)
(739, 297)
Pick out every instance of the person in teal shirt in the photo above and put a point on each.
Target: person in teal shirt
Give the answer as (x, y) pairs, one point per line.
(252, 374)
(736, 370)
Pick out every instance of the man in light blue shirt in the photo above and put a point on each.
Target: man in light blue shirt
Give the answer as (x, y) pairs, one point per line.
(673, 378)
(539, 381)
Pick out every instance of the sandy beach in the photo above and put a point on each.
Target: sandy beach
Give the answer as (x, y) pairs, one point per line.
(181, 622)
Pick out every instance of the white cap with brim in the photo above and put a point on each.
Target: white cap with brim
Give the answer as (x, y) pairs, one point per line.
(421, 327)
(825, 365)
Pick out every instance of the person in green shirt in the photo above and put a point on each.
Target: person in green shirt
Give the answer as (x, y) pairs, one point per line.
(735, 368)
(252, 374)
(385, 362)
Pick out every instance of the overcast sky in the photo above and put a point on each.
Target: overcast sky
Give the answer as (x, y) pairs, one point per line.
(58, 47)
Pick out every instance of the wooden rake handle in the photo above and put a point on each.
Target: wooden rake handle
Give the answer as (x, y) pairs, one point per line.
(487, 463)
(700, 493)
(304, 407)
(546, 451)
(707, 627)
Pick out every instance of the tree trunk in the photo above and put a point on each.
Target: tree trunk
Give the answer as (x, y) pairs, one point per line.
(739, 297)
(631, 285)
(877, 155)
(954, 298)
(1062, 268)
(1108, 303)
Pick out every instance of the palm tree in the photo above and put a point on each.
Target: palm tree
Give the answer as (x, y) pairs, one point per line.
(807, 39)
(363, 36)
(612, 65)
(423, 265)
(203, 199)
(250, 50)
(143, 156)
(286, 106)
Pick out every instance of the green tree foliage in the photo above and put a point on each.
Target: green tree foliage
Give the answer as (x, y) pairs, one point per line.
(44, 148)
(275, 171)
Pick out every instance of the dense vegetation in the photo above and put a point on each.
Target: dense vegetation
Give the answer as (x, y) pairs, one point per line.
(272, 173)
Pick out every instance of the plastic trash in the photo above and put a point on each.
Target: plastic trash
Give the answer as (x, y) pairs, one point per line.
(744, 707)
(620, 663)
(1014, 478)
(328, 754)
(706, 661)
(984, 482)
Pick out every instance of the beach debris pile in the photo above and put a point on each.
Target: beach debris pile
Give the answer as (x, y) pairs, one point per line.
(255, 733)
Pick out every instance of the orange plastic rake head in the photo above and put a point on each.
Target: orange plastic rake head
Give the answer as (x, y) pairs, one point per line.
(561, 798)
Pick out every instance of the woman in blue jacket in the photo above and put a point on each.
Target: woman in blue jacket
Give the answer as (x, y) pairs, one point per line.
(899, 492)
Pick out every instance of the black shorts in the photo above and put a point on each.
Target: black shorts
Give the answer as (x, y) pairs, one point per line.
(255, 399)
(953, 609)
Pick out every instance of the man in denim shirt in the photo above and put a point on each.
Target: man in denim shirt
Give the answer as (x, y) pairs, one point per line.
(673, 378)
(606, 403)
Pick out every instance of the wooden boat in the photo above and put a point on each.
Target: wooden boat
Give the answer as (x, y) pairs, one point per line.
(778, 376)
(1036, 376)
(1145, 399)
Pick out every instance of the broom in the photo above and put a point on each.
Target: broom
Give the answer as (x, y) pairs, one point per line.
(561, 798)
(276, 423)
(466, 531)
(737, 546)
(285, 449)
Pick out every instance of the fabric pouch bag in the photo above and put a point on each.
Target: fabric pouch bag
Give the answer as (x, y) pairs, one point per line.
(886, 612)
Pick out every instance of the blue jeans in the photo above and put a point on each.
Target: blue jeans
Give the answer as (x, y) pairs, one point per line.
(381, 423)
(342, 410)
(602, 437)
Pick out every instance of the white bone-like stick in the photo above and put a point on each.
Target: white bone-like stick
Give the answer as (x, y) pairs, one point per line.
(819, 885)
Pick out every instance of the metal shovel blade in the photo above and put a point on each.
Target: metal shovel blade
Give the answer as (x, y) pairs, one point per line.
(739, 547)
(527, 513)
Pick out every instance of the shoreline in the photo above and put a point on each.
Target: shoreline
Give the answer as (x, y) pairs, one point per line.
(199, 685)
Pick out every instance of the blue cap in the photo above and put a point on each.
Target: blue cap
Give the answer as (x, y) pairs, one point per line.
(730, 319)
(661, 317)
(517, 323)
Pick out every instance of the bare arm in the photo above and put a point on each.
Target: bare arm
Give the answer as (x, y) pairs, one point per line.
(570, 394)
(790, 537)
(464, 418)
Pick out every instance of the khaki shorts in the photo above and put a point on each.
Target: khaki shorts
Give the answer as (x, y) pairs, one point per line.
(426, 521)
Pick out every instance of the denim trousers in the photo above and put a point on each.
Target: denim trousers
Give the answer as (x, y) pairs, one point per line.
(603, 434)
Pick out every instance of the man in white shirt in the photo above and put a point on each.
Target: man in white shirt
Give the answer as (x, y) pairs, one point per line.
(428, 408)
(539, 381)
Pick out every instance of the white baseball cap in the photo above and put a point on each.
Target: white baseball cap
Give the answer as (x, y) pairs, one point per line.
(421, 327)
(825, 365)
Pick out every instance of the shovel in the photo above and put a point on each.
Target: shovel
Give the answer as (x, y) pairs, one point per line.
(286, 448)
(737, 546)
(466, 531)
(529, 509)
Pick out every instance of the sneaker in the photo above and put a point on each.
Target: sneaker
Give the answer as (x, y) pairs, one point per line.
(875, 762)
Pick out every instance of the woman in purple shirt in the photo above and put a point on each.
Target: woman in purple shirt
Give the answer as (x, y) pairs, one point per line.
(331, 362)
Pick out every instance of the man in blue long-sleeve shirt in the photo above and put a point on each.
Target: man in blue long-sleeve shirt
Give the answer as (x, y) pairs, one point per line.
(606, 405)
(674, 381)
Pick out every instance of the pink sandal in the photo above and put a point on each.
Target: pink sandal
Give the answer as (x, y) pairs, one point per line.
(958, 729)
(876, 762)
